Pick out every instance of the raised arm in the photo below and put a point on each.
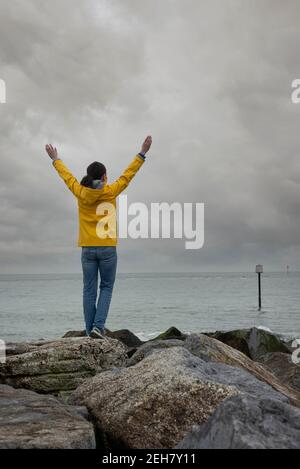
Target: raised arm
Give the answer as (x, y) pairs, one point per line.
(122, 182)
(63, 171)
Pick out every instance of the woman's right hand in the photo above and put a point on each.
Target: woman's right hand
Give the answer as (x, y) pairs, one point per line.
(146, 145)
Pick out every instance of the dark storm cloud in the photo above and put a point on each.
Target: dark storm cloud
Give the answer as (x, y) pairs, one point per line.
(210, 80)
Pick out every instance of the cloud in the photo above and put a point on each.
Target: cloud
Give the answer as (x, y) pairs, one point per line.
(211, 81)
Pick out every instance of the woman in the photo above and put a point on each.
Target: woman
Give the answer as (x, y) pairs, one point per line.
(97, 232)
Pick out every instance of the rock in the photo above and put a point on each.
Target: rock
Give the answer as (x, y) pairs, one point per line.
(281, 365)
(236, 339)
(31, 421)
(130, 340)
(74, 334)
(155, 402)
(19, 348)
(212, 350)
(125, 336)
(261, 342)
(147, 348)
(252, 342)
(131, 351)
(241, 422)
(171, 333)
(57, 367)
(151, 404)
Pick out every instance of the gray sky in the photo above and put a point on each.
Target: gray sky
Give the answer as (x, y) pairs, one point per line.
(210, 80)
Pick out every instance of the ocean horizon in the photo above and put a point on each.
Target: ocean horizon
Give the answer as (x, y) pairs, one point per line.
(45, 306)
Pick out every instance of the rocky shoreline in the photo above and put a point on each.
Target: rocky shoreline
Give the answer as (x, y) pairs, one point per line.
(236, 389)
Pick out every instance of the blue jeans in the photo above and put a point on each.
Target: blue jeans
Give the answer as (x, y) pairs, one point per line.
(102, 259)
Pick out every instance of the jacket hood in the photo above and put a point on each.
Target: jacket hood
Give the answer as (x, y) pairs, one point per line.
(92, 195)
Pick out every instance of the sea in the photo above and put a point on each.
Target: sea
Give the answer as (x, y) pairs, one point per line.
(34, 307)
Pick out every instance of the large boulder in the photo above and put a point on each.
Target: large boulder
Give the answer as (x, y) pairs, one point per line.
(148, 347)
(155, 402)
(31, 421)
(241, 422)
(281, 365)
(212, 350)
(253, 342)
(57, 367)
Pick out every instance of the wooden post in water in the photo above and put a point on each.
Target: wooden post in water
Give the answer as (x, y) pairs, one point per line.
(259, 270)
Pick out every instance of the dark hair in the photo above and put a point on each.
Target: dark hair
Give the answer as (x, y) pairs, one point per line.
(94, 171)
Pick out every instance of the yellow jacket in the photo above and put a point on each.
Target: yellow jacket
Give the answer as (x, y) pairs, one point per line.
(97, 207)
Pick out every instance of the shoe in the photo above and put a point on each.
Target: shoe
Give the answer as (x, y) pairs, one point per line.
(97, 333)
